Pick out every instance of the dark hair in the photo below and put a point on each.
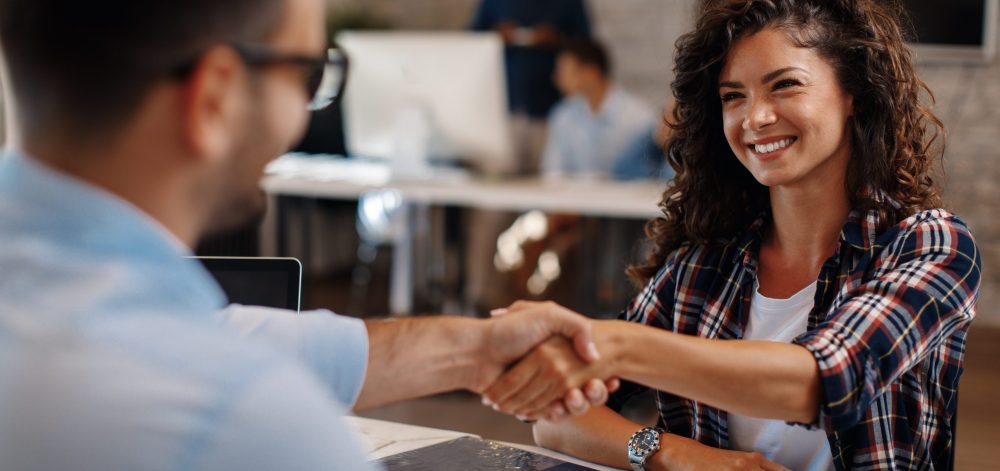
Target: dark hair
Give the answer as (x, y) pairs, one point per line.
(83, 66)
(713, 197)
(588, 52)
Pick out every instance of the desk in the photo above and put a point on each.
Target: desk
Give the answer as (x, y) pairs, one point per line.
(344, 179)
(385, 439)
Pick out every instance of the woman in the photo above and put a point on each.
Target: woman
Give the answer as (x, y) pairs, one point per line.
(804, 272)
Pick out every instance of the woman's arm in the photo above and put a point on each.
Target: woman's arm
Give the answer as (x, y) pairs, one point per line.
(601, 436)
(754, 378)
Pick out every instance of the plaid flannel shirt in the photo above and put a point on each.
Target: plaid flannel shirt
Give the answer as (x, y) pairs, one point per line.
(887, 329)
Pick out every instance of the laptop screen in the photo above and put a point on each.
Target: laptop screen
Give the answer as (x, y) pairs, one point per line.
(255, 281)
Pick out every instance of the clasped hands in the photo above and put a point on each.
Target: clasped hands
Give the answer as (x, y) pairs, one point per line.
(543, 363)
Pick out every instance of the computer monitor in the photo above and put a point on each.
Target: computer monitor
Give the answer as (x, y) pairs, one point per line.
(954, 31)
(258, 281)
(417, 95)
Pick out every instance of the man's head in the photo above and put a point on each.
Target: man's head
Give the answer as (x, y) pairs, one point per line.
(582, 65)
(164, 92)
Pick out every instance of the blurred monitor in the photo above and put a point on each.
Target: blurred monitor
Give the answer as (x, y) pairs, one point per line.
(443, 89)
(962, 31)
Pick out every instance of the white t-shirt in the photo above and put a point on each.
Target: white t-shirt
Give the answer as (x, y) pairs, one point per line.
(780, 320)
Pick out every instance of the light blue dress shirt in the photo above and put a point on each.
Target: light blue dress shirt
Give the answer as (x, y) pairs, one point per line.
(582, 143)
(114, 354)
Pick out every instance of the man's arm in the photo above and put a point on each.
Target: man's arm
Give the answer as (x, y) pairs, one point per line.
(391, 360)
(419, 356)
(415, 357)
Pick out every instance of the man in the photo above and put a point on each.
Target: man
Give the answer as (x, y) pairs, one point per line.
(597, 123)
(141, 126)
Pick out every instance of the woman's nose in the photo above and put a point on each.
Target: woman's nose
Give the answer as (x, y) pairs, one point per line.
(760, 115)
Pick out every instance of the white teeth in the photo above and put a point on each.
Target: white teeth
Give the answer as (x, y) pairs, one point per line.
(768, 148)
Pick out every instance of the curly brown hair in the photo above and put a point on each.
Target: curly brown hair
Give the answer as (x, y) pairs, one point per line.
(713, 197)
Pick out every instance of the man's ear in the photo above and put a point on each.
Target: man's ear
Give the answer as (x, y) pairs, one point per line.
(213, 103)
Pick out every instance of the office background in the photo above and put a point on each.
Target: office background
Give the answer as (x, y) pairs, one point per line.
(640, 35)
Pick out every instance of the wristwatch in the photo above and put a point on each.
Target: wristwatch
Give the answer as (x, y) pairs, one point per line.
(642, 445)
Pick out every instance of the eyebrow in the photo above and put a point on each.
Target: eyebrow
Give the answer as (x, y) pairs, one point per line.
(768, 77)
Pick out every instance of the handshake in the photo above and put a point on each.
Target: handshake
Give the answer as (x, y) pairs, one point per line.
(541, 361)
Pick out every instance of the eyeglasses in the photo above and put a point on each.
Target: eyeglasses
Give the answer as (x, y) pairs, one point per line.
(325, 75)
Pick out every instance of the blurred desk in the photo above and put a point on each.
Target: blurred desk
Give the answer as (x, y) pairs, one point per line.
(347, 179)
(324, 177)
(385, 439)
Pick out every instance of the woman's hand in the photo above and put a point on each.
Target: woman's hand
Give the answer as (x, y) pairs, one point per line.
(683, 454)
(530, 388)
(551, 382)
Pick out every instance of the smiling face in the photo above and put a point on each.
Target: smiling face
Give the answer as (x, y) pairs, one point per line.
(784, 112)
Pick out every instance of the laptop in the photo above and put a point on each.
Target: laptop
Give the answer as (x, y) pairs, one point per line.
(258, 281)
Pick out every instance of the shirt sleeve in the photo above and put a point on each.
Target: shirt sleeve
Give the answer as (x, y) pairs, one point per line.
(555, 159)
(639, 159)
(334, 347)
(283, 420)
(924, 289)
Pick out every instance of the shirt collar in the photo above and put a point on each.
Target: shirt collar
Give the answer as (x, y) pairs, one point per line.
(609, 107)
(607, 110)
(861, 229)
(859, 232)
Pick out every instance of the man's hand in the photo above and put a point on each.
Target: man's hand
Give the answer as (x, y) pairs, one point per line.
(545, 36)
(537, 386)
(523, 326)
(507, 31)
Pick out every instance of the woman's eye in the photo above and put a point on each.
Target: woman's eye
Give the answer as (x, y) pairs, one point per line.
(728, 97)
(785, 84)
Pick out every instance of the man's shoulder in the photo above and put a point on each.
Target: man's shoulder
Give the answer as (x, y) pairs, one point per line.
(153, 384)
(568, 109)
(632, 105)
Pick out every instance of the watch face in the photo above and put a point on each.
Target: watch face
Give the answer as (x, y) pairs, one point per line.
(645, 442)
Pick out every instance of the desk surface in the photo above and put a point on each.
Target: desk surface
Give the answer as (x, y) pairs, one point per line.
(322, 177)
(389, 438)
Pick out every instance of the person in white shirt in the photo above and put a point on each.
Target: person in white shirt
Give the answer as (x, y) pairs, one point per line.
(597, 122)
(142, 126)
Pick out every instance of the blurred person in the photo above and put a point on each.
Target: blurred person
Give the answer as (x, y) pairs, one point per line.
(645, 158)
(142, 126)
(597, 131)
(532, 32)
(808, 300)
(597, 123)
